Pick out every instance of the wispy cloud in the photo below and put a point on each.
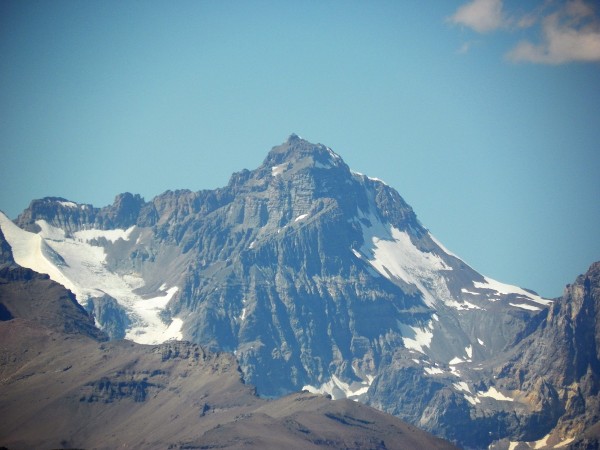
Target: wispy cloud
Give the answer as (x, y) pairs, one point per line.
(568, 35)
(569, 30)
(466, 47)
(481, 15)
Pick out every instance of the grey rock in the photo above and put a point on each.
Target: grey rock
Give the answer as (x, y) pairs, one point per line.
(6, 256)
(109, 315)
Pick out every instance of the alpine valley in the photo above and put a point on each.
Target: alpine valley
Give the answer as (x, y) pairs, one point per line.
(313, 278)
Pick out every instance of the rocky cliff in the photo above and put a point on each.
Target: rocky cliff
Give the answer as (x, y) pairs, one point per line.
(557, 366)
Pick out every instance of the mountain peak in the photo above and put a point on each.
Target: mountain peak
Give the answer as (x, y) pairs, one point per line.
(300, 153)
(294, 137)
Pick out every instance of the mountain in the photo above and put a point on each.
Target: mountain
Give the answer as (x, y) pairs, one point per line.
(557, 366)
(316, 277)
(63, 385)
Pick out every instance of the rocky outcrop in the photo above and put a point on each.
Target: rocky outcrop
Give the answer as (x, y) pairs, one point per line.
(6, 257)
(126, 211)
(58, 211)
(541, 392)
(109, 315)
(558, 364)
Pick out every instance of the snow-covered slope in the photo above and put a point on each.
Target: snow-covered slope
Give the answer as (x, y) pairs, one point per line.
(78, 262)
(394, 255)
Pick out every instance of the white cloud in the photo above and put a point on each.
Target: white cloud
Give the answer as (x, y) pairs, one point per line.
(569, 29)
(570, 34)
(481, 15)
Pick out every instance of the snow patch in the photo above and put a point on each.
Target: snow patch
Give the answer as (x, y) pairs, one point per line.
(433, 370)
(278, 170)
(472, 400)
(30, 250)
(109, 235)
(416, 338)
(378, 180)
(461, 306)
(506, 289)
(494, 393)
(469, 351)
(363, 176)
(173, 332)
(337, 158)
(68, 204)
(525, 306)
(392, 253)
(455, 360)
(542, 442)
(301, 217)
(454, 371)
(462, 386)
(480, 342)
(47, 231)
(465, 291)
(319, 165)
(339, 389)
(149, 328)
(158, 303)
(564, 443)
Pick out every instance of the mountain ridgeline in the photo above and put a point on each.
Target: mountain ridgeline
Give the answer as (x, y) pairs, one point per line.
(322, 279)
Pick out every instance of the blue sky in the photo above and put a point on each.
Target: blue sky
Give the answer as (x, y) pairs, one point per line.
(484, 114)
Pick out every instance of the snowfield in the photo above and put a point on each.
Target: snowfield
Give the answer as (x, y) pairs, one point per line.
(79, 264)
(392, 253)
(339, 389)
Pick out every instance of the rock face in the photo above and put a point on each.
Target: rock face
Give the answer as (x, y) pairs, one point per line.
(109, 315)
(558, 365)
(127, 210)
(6, 257)
(317, 278)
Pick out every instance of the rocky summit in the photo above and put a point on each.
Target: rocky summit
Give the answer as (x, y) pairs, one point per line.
(322, 279)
